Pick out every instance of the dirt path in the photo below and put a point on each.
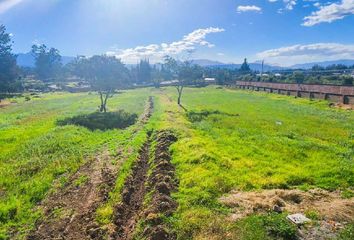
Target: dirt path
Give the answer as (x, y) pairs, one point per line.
(153, 178)
(128, 212)
(70, 212)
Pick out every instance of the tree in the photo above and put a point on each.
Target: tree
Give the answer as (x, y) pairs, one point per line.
(298, 77)
(157, 76)
(8, 66)
(48, 62)
(104, 73)
(245, 68)
(317, 67)
(143, 72)
(185, 73)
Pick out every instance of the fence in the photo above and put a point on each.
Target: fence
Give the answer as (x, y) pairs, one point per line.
(334, 93)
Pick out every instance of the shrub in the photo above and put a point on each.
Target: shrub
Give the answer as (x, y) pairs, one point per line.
(101, 121)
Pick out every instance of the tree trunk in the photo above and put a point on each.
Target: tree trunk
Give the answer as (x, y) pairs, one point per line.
(179, 90)
(102, 102)
(105, 101)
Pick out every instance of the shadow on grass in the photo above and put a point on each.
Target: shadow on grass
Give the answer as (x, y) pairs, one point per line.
(101, 121)
(194, 116)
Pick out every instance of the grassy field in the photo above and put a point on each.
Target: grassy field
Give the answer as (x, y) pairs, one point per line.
(35, 152)
(228, 140)
(248, 141)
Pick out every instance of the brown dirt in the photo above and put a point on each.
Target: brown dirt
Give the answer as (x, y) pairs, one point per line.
(329, 205)
(127, 213)
(69, 213)
(342, 106)
(160, 182)
(149, 107)
(333, 211)
(4, 103)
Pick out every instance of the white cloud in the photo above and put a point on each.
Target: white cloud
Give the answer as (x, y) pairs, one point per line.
(250, 8)
(155, 52)
(330, 13)
(289, 4)
(308, 53)
(6, 5)
(272, 1)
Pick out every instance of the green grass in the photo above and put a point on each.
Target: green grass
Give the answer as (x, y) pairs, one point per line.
(228, 140)
(35, 152)
(253, 141)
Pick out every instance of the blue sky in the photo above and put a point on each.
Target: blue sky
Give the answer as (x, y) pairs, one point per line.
(282, 32)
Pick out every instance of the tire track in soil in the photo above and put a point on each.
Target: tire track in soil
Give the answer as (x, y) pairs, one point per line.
(128, 212)
(70, 212)
(160, 183)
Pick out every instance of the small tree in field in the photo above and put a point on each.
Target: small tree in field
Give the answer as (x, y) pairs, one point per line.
(104, 73)
(185, 73)
(8, 66)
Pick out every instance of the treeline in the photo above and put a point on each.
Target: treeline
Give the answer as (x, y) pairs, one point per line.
(109, 73)
(305, 77)
(332, 67)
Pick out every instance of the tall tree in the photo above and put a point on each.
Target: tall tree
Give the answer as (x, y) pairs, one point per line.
(143, 72)
(245, 68)
(48, 62)
(8, 66)
(185, 73)
(104, 73)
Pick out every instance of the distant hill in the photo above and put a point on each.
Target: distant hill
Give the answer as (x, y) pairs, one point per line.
(268, 67)
(347, 62)
(206, 62)
(216, 64)
(27, 60)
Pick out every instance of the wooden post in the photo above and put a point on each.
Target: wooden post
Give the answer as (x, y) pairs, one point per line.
(345, 99)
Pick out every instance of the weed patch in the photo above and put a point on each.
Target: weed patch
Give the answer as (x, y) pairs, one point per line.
(101, 121)
(195, 116)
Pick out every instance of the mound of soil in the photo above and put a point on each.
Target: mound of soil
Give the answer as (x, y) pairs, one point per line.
(161, 183)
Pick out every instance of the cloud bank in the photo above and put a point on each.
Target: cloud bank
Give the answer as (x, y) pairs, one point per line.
(248, 8)
(308, 53)
(330, 13)
(155, 52)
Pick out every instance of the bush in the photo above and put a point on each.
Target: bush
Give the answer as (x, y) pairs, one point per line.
(101, 121)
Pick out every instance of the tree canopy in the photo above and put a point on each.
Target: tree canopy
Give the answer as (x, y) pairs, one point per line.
(185, 73)
(48, 62)
(245, 68)
(104, 73)
(8, 66)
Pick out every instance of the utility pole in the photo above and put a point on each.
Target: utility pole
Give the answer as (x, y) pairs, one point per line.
(262, 70)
